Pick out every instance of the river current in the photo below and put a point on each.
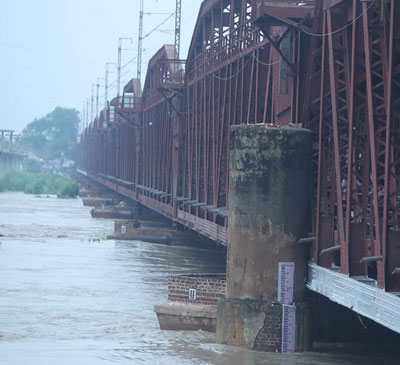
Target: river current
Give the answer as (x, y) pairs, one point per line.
(68, 296)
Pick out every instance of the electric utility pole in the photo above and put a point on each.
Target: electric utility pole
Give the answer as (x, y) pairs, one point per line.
(91, 105)
(106, 82)
(97, 97)
(140, 41)
(177, 43)
(177, 28)
(87, 113)
(119, 64)
(83, 118)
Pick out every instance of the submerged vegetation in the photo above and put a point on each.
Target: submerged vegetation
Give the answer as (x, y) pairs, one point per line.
(39, 183)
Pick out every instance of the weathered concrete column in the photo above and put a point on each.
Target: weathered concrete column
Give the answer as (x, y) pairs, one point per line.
(269, 205)
(10, 162)
(269, 187)
(3, 165)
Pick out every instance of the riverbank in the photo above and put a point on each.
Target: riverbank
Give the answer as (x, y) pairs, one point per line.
(39, 183)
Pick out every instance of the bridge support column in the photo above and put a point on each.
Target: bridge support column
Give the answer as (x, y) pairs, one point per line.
(9, 162)
(3, 164)
(269, 181)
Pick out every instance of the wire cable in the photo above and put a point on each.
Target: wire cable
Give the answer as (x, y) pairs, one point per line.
(232, 76)
(265, 64)
(340, 29)
(159, 25)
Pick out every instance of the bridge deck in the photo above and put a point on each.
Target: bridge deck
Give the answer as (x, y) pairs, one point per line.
(207, 228)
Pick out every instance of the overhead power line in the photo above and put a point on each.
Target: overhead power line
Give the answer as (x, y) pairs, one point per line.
(159, 25)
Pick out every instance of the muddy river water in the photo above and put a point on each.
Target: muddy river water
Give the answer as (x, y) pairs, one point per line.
(68, 296)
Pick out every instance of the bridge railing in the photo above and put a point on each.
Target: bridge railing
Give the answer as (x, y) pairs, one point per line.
(170, 73)
(276, 12)
(243, 37)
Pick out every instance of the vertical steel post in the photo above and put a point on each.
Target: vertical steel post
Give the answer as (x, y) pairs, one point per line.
(140, 41)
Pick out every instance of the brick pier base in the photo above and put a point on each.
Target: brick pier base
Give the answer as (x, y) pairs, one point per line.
(257, 325)
(192, 302)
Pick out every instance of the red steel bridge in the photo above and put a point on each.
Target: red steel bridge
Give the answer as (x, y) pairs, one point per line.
(332, 66)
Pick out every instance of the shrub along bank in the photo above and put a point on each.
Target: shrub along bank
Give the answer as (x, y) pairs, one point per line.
(39, 183)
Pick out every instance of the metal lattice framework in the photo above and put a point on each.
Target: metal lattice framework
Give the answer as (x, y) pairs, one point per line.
(356, 120)
(330, 66)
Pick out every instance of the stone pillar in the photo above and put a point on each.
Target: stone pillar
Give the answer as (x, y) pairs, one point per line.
(269, 206)
(7, 163)
(2, 164)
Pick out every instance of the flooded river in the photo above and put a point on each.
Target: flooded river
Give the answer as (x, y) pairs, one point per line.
(67, 296)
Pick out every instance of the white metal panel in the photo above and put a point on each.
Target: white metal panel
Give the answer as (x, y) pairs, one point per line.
(374, 303)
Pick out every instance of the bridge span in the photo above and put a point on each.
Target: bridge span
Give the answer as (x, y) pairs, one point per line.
(331, 67)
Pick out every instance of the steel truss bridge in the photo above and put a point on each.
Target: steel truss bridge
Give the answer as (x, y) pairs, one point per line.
(332, 66)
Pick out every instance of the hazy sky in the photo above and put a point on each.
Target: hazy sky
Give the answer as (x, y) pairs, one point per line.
(52, 51)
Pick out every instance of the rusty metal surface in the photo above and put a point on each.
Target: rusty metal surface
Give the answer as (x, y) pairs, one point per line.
(330, 66)
(357, 125)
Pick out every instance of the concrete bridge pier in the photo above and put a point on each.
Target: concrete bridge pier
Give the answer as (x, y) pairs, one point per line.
(10, 162)
(269, 187)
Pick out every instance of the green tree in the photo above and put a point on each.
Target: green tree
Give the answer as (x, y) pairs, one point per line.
(53, 134)
(32, 165)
